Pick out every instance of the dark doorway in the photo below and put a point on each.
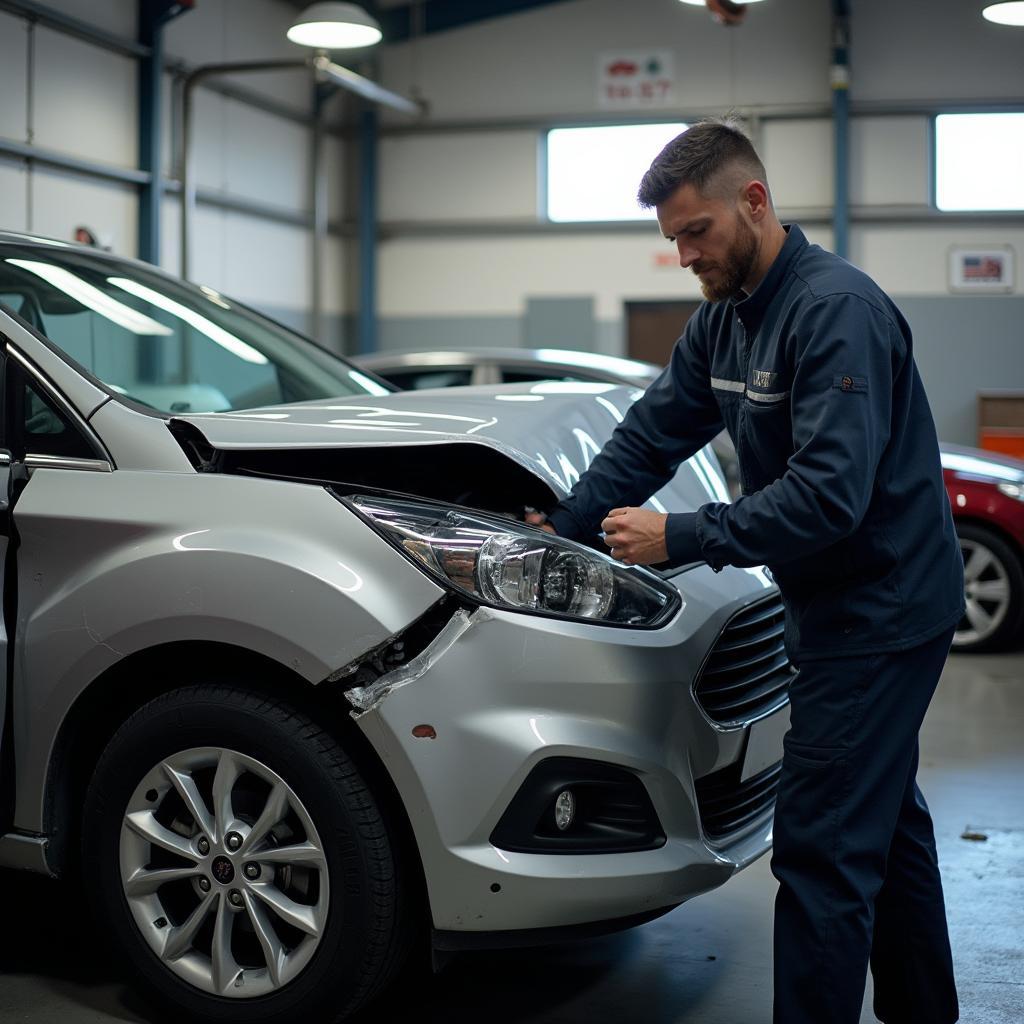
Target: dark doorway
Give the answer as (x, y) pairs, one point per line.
(653, 327)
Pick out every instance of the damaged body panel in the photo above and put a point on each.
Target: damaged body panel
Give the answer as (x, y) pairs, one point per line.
(551, 430)
(112, 566)
(504, 693)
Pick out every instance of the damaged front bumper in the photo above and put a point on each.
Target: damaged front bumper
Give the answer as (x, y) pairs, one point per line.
(461, 726)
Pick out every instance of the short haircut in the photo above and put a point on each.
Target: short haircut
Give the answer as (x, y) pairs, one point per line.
(698, 157)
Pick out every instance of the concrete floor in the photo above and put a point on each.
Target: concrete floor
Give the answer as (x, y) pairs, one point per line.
(706, 963)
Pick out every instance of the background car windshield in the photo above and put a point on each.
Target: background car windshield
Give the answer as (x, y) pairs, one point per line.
(163, 343)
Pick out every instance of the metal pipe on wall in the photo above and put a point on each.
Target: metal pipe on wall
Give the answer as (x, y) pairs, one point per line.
(318, 191)
(368, 143)
(187, 171)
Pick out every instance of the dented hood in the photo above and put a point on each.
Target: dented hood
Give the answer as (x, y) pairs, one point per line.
(554, 429)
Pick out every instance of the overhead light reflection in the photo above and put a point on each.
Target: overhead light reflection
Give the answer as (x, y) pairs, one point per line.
(596, 361)
(214, 332)
(367, 384)
(92, 298)
(571, 387)
(214, 297)
(973, 466)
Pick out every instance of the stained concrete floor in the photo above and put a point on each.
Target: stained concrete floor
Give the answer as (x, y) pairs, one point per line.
(708, 962)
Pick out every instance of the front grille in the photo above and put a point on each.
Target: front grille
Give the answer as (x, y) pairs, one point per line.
(747, 673)
(727, 806)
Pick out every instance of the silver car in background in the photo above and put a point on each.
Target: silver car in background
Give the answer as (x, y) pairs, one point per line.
(289, 685)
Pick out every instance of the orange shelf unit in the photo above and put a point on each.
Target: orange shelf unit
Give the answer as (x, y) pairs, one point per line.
(1001, 422)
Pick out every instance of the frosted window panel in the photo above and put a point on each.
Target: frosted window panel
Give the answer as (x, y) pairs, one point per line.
(979, 161)
(594, 173)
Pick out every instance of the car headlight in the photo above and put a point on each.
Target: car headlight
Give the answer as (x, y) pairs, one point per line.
(510, 565)
(1012, 490)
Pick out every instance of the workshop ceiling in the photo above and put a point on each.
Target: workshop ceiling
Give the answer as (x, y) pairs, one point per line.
(398, 17)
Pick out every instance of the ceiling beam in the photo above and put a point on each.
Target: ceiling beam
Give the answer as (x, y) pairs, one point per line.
(397, 23)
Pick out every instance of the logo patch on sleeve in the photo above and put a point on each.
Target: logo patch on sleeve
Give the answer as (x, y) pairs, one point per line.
(848, 383)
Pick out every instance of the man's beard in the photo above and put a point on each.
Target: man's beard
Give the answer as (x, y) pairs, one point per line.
(734, 270)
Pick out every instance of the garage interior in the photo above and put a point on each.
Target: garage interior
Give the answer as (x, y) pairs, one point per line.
(414, 214)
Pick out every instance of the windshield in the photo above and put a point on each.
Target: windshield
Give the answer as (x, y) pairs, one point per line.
(163, 343)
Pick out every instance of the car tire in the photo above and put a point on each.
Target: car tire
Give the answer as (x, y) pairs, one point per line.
(994, 590)
(318, 931)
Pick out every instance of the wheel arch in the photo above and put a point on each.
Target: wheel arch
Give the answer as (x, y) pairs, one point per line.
(117, 693)
(993, 526)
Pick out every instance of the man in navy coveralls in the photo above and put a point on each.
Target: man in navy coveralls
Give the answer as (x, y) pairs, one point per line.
(807, 364)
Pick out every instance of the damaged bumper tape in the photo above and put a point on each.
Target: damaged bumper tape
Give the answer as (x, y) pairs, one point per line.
(366, 698)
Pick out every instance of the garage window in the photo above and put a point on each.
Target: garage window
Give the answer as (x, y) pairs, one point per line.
(593, 173)
(979, 161)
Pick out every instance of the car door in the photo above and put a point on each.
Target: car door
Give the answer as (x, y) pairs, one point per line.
(38, 430)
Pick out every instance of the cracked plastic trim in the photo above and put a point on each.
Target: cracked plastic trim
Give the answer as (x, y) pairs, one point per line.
(366, 698)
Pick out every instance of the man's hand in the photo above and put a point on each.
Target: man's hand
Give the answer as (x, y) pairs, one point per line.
(636, 536)
(539, 519)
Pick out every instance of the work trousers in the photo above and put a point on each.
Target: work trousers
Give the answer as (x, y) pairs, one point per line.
(854, 848)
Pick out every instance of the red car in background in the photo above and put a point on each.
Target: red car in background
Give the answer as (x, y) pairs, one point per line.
(986, 489)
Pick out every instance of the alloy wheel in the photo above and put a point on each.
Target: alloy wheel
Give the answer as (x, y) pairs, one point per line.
(987, 592)
(224, 872)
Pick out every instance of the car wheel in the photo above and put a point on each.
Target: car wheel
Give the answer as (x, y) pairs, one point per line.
(240, 862)
(993, 589)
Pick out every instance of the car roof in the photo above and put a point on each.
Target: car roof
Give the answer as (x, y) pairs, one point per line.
(22, 237)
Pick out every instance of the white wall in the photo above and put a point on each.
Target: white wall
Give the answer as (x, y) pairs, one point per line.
(82, 102)
(543, 61)
(541, 65)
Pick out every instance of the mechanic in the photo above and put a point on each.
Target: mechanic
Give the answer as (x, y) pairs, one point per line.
(807, 364)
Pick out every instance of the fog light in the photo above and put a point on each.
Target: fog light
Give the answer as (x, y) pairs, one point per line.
(565, 809)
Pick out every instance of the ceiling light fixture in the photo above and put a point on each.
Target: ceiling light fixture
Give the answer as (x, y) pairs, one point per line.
(703, 3)
(335, 26)
(1008, 13)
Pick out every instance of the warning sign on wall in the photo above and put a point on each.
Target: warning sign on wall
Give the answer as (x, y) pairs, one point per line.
(632, 79)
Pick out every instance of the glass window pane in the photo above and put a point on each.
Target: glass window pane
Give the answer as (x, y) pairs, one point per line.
(435, 377)
(46, 429)
(979, 161)
(166, 344)
(594, 173)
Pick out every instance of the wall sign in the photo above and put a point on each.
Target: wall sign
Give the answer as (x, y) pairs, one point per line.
(981, 270)
(634, 79)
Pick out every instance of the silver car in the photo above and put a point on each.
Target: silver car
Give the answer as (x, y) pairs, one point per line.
(289, 686)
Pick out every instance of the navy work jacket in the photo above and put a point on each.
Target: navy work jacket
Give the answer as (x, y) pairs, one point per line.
(813, 377)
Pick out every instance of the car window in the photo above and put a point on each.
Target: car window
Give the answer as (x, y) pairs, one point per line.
(521, 375)
(435, 377)
(40, 425)
(164, 343)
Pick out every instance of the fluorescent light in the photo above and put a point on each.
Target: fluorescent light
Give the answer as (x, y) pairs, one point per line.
(334, 26)
(702, 3)
(92, 298)
(1010, 13)
(215, 333)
